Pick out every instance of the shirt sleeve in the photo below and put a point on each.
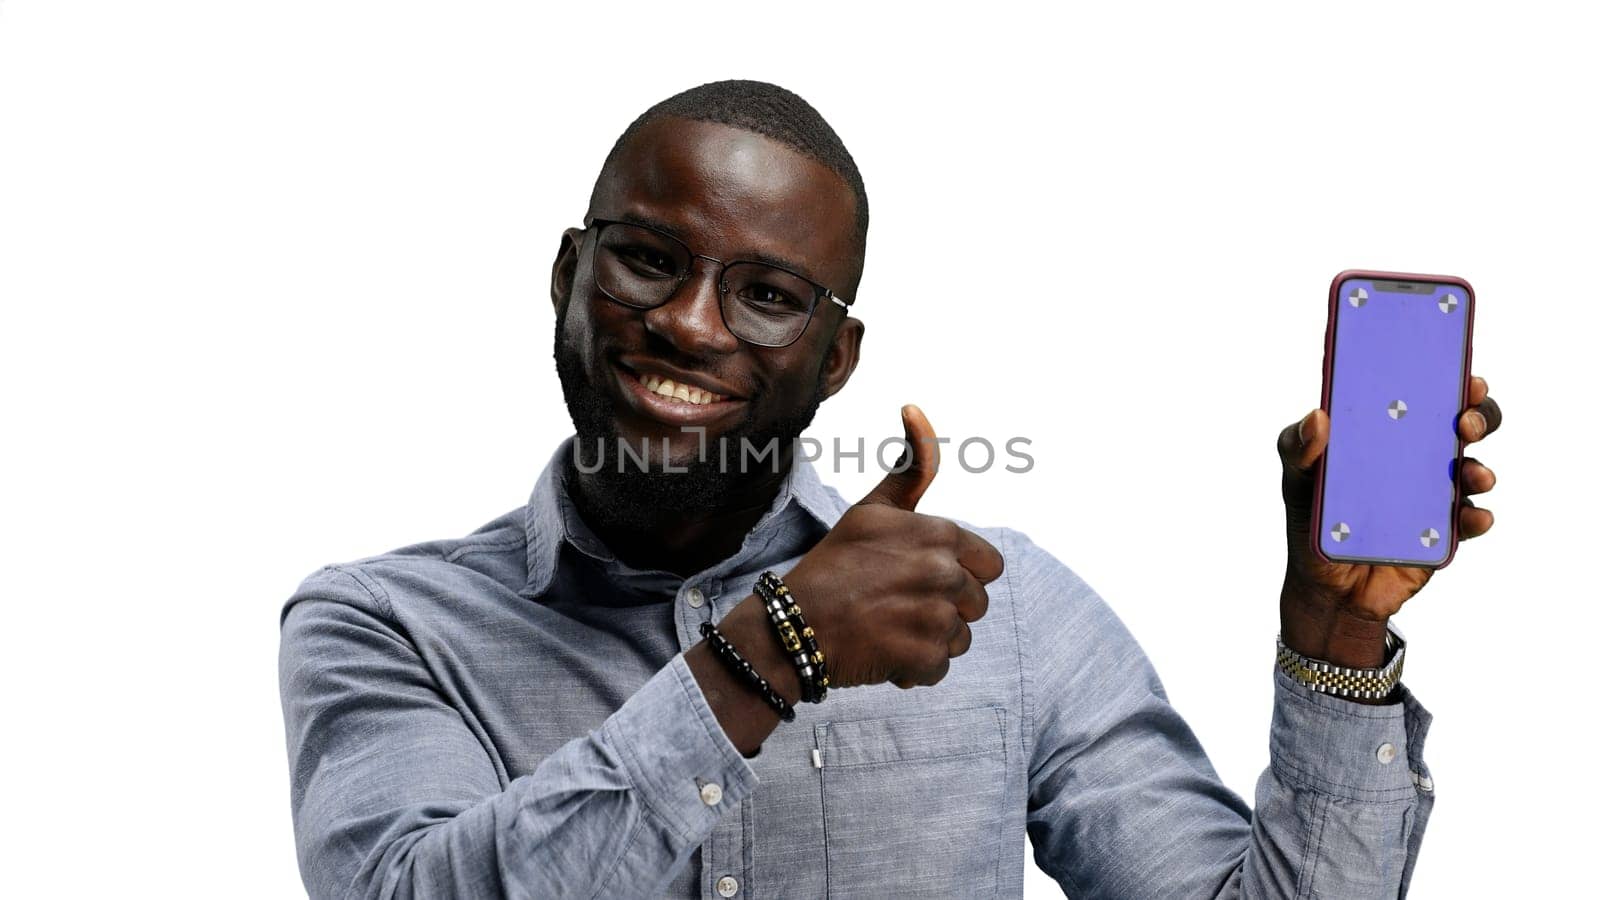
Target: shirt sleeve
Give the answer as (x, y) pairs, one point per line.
(394, 796)
(1123, 801)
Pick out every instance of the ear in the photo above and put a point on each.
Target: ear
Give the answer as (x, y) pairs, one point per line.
(844, 351)
(564, 271)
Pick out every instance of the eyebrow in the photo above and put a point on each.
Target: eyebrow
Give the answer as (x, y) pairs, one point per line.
(759, 256)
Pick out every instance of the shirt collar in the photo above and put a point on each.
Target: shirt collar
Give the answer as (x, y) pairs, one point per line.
(552, 518)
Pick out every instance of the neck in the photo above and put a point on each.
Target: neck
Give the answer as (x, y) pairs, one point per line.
(673, 540)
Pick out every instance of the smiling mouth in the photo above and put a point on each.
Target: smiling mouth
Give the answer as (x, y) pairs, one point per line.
(664, 401)
(688, 395)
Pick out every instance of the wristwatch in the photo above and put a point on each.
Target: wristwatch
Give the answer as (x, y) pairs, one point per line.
(1343, 681)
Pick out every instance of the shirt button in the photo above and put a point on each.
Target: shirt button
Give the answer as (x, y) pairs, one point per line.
(711, 793)
(696, 599)
(1386, 753)
(727, 885)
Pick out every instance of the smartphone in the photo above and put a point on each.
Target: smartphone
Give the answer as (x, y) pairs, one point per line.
(1396, 366)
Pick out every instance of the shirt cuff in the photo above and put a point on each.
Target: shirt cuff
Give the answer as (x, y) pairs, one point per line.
(1354, 751)
(678, 757)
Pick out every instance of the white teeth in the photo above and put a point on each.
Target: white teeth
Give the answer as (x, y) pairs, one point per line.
(666, 387)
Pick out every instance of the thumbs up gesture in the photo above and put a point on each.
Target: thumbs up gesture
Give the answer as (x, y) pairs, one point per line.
(890, 591)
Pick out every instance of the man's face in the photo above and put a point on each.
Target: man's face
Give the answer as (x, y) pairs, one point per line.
(729, 194)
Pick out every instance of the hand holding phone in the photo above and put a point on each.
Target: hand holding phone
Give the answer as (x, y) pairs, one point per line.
(1401, 496)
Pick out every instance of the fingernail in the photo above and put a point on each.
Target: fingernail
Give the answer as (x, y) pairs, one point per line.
(1483, 424)
(1300, 430)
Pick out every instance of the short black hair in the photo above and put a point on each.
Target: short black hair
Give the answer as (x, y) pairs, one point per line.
(768, 110)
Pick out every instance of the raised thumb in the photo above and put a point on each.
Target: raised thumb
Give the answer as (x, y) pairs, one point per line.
(904, 487)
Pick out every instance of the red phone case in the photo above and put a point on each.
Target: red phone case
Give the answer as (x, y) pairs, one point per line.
(1327, 387)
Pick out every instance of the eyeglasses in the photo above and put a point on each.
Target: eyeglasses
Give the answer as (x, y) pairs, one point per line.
(766, 305)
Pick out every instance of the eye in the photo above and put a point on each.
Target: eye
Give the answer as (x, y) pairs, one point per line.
(771, 298)
(646, 260)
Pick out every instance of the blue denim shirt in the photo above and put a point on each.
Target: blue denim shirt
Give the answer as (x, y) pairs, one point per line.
(509, 713)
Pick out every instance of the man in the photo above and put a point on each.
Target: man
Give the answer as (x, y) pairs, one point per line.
(531, 710)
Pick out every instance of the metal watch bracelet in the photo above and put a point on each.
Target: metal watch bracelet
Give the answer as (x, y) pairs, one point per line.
(1343, 681)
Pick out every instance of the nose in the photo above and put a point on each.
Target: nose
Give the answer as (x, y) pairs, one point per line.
(691, 319)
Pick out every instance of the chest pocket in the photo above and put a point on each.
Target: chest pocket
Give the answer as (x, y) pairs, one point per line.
(912, 805)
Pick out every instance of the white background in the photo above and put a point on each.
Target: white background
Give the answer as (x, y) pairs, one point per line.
(275, 283)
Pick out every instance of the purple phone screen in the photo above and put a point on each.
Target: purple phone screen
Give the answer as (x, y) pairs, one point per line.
(1399, 349)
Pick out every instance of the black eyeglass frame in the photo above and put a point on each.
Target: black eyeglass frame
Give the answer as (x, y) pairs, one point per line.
(722, 284)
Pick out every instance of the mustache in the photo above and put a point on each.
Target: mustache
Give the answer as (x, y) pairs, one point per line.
(744, 386)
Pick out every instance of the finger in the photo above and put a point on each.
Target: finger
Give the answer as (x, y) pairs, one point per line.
(934, 666)
(962, 642)
(902, 489)
(973, 601)
(1474, 520)
(1477, 389)
(1301, 443)
(1491, 414)
(1476, 477)
(1480, 421)
(937, 672)
(1299, 446)
(979, 557)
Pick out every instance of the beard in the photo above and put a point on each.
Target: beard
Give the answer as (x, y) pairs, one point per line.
(640, 497)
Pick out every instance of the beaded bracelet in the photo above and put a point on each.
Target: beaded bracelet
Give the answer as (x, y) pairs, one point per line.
(796, 636)
(741, 667)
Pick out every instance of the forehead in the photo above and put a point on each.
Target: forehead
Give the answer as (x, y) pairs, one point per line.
(732, 193)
